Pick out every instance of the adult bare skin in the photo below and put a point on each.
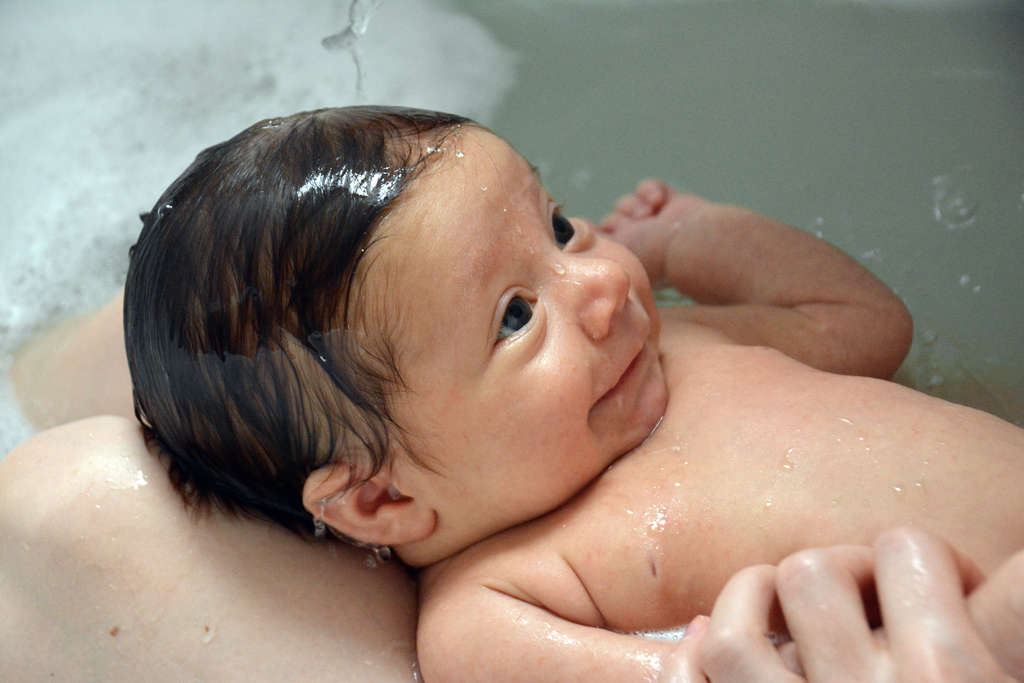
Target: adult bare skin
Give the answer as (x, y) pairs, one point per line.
(76, 369)
(105, 576)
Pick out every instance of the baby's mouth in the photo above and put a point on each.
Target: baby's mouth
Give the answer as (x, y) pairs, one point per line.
(625, 376)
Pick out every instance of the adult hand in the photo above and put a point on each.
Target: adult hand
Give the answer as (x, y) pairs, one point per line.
(933, 632)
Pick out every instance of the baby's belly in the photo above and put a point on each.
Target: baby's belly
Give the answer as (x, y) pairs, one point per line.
(763, 471)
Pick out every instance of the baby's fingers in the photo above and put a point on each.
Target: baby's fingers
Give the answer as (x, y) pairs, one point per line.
(653, 192)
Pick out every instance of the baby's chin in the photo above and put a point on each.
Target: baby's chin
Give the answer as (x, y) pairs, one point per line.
(629, 417)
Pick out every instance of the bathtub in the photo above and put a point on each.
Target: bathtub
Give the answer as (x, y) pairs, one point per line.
(894, 129)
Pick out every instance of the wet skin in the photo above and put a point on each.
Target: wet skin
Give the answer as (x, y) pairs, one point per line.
(757, 454)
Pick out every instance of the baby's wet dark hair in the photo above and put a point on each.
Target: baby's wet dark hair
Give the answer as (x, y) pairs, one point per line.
(251, 363)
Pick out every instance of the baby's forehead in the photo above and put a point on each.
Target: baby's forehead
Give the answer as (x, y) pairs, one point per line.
(454, 226)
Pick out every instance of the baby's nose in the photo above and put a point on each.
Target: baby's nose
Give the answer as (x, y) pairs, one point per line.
(603, 287)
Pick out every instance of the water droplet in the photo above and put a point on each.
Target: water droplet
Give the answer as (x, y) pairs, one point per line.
(846, 420)
(953, 203)
(897, 489)
(965, 280)
(459, 154)
(787, 463)
(559, 270)
(676, 484)
(935, 381)
(768, 502)
(483, 188)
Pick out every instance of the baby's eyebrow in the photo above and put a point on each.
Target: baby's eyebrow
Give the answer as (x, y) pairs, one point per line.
(538, 179)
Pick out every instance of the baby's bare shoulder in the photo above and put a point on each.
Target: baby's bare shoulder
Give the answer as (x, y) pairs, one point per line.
(529, 564)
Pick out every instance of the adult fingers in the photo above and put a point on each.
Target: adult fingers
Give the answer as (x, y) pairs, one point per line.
(920, 591)
(820, 591)
(683, 665)
(736, 646)
(997, 608)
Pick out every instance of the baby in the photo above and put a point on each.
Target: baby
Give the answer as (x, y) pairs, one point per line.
(380, 319)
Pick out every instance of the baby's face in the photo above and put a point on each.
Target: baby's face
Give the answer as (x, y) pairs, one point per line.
(528, 341)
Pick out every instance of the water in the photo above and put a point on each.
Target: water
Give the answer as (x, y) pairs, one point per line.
(836, 116)
(891, 128)
(359, 14)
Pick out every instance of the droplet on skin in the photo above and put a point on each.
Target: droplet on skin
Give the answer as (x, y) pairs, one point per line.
(787, 463)
(897, 489)
(483, 188)
(459, 154)
(558, 268)
(768, 502)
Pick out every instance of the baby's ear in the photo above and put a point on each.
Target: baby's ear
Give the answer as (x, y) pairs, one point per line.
(373, 511)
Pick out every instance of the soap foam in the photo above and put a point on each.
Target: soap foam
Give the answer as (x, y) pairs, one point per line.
(103, 104)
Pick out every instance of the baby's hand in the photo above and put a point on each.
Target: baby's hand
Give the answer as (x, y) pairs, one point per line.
(647, 220)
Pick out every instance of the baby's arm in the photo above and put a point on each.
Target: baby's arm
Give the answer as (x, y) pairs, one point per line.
(477, 627)
(762, 282)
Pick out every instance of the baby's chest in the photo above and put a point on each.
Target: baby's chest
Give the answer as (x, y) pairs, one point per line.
(648, 550)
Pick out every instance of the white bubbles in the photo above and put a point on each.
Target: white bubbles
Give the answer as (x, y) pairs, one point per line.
(954, 199)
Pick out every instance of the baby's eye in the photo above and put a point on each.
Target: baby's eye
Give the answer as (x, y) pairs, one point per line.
(517, 314)
(563, 229)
